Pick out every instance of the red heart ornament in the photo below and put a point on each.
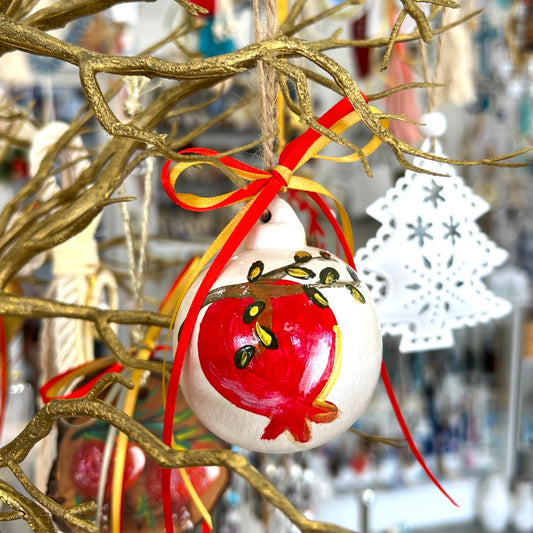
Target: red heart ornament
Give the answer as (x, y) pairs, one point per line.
(286, 350)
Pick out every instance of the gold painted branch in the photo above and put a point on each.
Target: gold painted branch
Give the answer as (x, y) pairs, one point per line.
(91, 407)
(11, 305)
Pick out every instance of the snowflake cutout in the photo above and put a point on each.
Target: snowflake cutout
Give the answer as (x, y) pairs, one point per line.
(425, 269)
(434, 194)
(452, 230)
(420, 231)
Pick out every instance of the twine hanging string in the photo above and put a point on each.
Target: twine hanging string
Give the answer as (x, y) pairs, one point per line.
(135, 85)
(430, 91)
(136, 270)
(266, 79)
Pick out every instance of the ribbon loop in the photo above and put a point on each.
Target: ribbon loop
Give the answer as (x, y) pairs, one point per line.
(339, 118)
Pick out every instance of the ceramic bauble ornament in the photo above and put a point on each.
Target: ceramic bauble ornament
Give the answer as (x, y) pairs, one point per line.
(286, 350)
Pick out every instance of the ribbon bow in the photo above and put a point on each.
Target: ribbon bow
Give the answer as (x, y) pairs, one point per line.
(263, 186)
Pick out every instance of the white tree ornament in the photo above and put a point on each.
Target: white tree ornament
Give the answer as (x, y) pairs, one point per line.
(426, 263)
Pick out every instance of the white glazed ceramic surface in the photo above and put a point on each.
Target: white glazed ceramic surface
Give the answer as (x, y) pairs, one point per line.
(308, 368)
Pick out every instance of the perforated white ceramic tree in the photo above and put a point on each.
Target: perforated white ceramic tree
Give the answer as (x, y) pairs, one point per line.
(425, 265)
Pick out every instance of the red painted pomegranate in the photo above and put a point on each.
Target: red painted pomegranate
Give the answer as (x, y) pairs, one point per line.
(286, 350)
(87, 463)
(75, 476)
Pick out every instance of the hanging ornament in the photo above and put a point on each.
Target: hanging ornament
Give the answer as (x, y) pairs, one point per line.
(215, 36)
(248, 268)
(286, 352)
(3, 375)
(9, 329)
(76, 474)
(78, 277)
(484, 39)
(455, 64)
(80, 471)
(361, 54)
(425, 265)
(271, 306)
(527, 26)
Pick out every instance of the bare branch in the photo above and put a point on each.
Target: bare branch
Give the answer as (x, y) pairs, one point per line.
(165, 456)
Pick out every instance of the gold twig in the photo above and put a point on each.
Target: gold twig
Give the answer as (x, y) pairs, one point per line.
(164, 456)
(55, 508)
(34, 515)
(389, 441)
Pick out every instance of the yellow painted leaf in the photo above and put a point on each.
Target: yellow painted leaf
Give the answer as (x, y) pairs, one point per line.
(266, 336)
(300, 272)
(329, 275)
(315, 296)
(356, 293)
(243, 356)
(302, 256)
(252, 311)
(255, 271)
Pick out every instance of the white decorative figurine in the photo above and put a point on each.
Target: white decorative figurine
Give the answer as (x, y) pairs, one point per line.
(425, 265)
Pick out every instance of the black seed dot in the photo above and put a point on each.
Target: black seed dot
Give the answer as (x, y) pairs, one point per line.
(266, 216)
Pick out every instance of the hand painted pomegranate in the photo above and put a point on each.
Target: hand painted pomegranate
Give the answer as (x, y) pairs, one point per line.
(76, 473)
(286, 351)
(87, 463)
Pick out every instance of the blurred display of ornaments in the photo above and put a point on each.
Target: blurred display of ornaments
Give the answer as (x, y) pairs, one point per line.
(485, 36)
(80, 458)
(294, 477)
(425, 265)
(492, 503)
(527, 29)
(18, 413)
(286, 351)
(215, 36)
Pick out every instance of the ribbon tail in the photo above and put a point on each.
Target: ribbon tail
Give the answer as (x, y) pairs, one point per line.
(407, 433)
(130, 401)
(338, 230)
(254, 211)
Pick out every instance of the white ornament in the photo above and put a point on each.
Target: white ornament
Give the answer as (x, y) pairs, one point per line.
(78, 277)
(286, 353)
(426, 263)
(522, 507)
(432, 124)
(493, 504)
